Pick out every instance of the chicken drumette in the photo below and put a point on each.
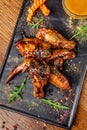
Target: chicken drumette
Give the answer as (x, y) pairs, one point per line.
(54, 38)
(58, 79)
(33, 47)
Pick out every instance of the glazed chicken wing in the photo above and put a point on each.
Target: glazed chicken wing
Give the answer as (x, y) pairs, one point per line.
(55, 38)
(58, 79)
(62, 53)
(39, 71)
(33, 47)
(18, 69)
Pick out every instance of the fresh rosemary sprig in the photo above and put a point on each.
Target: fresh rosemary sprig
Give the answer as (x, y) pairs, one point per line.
(37, 24)
(56, 105)
(17, 92)
(81, 32)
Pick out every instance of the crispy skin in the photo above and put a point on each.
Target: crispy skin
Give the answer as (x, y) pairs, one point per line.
(33, 47)
(18, 69)
(55, 38)
(38, 87)
(56, 62)
(15, 71)
(58, 79)
(62, 53)
(39, 72)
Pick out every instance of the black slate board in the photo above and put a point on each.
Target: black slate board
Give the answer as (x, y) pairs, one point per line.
(73, 69)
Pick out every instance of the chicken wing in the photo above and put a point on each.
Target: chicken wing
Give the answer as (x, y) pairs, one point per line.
(55, 38)
(39, 71)
(58, 79)
(62, 53)
(33, 47)
(18, 69)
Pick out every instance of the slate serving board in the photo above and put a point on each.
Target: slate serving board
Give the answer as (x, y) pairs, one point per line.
(73, 69)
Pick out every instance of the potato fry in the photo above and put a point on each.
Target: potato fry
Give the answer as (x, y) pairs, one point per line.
(45, 10)
(33, 8)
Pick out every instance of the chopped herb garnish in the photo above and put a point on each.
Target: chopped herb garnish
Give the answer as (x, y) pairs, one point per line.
(81, 32)
(56, 105)
(33, 25)
(37, 24)
(17, 91)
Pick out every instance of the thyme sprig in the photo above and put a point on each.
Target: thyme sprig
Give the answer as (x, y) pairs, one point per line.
(37, 24)
(81, 32)
(56, 105)
(17, 92)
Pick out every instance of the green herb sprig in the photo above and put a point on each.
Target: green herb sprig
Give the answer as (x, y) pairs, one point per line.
(81, 32)
(56, 105)
(37, 24)
(17, 92)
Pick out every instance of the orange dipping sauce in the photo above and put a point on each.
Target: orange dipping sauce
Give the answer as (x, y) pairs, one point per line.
(78, 7)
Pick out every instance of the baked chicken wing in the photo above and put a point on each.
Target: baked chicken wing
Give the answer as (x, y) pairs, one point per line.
(58, 79)
(33, 47)
(20, 68)
(39, 72)
(55, 38)
(65, 54)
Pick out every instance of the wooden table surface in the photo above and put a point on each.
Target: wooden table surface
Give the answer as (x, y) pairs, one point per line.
(9, 10)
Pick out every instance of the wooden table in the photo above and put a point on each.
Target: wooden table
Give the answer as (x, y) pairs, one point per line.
(9, 10)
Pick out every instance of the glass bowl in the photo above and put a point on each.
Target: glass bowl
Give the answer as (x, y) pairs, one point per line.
(68, 12)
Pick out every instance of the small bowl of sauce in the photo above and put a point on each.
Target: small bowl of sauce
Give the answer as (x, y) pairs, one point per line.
(76, 9)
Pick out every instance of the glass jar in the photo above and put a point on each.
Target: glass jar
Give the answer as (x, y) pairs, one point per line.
(76, 9)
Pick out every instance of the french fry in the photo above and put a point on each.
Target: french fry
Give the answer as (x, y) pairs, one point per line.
(44, 9)
(33, 8)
